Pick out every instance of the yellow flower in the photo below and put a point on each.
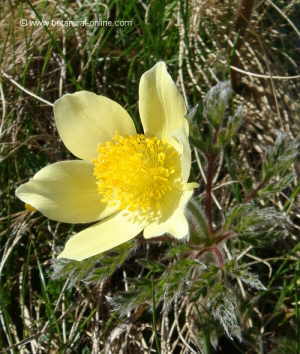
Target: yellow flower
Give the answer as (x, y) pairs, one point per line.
(128, 182)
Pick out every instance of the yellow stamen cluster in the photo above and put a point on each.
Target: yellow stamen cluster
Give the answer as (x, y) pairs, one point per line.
(136, 173)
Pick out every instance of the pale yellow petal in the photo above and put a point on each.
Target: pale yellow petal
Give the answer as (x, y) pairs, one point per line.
(162, 110)
(176, 224)
(161, 106)
(84, 120)
(180, 142)
(100, 237)
(65, 191)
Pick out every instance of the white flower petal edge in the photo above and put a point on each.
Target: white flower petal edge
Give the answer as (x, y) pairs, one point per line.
(65, 191)
(84, 120)
(100, 237)
(177, 224)
(162, 110)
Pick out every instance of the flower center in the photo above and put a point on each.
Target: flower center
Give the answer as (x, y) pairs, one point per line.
(136, 173)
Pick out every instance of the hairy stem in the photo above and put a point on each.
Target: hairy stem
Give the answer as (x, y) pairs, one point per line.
(208, 193)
